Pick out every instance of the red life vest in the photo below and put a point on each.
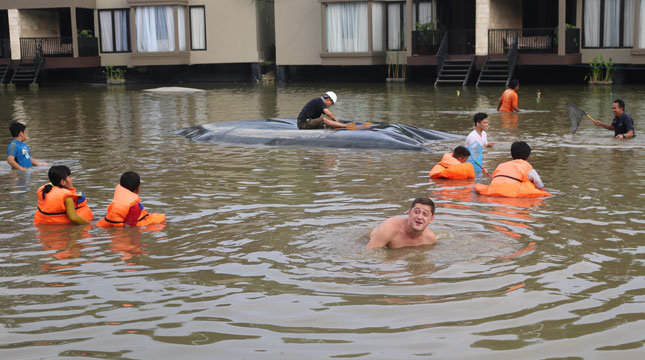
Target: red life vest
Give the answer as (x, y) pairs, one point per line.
(451, 168)
(51, 209)
(511, 179)
(118, 210)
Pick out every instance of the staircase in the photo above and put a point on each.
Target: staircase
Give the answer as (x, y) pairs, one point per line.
(4, 72)
(499, 71)
(27, 71)
(455, 71)
(494, 72)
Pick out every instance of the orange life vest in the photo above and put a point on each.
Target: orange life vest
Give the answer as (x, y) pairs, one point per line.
(511, 179)
(51, 209)
(451, 168)
(118, 210)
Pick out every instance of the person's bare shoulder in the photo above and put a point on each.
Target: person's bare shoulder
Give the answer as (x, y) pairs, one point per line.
(384, 233)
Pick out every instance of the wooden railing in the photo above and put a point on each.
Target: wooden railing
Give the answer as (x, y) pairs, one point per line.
(51, 47)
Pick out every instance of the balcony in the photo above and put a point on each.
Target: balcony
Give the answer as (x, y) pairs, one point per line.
(532, 41)
(59, 51)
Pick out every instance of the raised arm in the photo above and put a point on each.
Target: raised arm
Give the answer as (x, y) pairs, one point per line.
(381, 235)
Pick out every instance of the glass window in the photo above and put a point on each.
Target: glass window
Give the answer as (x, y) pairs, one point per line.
(197, 28)
(378, 15)
(155, 28)
(422, 12)
(346, 27)
(395, 26)
(114, 27)
(608, 23)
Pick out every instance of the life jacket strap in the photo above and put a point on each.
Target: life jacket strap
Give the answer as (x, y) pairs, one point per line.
(510, 177)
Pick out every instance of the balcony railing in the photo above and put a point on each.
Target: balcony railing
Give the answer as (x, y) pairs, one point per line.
(572, 46)
(427, 42)
(529, 41)
(58, 46)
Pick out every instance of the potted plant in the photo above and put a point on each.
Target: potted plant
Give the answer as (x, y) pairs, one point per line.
(600, 71)
(426, 34)
(114, 75)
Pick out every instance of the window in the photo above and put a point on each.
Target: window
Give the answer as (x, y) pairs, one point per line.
(346, 27)
(114, 27)
(155, 28)
(197, 28)
(378, 16)
(395, 26)
(608, 23)
(422, 12)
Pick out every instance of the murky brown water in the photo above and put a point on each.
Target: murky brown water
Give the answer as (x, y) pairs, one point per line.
(263, 252)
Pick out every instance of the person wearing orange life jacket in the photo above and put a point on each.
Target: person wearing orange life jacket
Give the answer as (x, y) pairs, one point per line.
(126, 207)
(515, 178)
(58, 201)
(508, 100)
(454, 166)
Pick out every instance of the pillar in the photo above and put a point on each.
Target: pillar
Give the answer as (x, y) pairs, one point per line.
(14, 33)
(74, 31)
(482, 20)
(562, 27)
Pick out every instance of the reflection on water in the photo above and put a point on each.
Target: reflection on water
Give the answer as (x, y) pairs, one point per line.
(263, 253)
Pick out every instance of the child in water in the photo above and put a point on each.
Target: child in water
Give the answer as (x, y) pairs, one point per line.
(58, 201)
(454, 166)
(126, 207)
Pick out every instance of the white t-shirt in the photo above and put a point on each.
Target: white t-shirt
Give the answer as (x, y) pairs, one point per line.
(474, 137)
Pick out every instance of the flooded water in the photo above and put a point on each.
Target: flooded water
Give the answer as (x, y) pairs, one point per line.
(263, 253)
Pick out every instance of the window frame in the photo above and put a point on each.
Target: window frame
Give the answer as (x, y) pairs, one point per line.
(190, 28)
(129, 36)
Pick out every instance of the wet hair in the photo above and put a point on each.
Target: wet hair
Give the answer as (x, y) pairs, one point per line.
(479, 117)
(460, 151)
(424, 201)
(56, 174)
(512, 84)
(621, 104)
(130, 180)
(520, 150)
(16, 128)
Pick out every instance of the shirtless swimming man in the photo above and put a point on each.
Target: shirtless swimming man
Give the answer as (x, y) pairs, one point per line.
(413, 230)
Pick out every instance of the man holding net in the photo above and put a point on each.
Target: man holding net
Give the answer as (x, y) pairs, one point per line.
(623, 124)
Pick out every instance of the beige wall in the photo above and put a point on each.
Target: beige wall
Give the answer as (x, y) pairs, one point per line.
(298, 27)
(618, 56)
(231, 32)
(39, 23)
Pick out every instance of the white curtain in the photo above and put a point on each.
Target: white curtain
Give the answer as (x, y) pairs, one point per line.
(592, 23)
(641, 26)
(394, 37)
(611, 34)
(121, 30)
(377, 26)
(197, 28)
(106, 31)
(628, 27)
(347, 27)
(424, 14)
(181, 27)
(155, 28)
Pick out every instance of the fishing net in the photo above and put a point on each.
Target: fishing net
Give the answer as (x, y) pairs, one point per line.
(575, 116)
(476, 155)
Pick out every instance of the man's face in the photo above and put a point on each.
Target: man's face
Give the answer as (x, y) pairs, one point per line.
(616, 110)
(419, 217)
(22, 136)
(483, 125)
(328, 102)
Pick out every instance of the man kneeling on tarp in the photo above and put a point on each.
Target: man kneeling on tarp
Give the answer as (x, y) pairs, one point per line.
(454, 166)
(398, 232)
(311, 115)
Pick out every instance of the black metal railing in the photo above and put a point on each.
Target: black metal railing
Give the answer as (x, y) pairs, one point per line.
(51, 47)
(5, 49)
(529, 41)
(461, 41)
(426, 42)
(572, 44)
(88, 46)
(512, 58)
(442, 53)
